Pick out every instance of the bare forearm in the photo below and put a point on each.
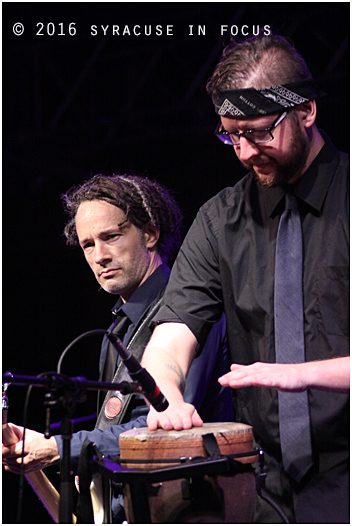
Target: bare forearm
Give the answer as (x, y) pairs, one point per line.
(168, 357)
(329, 375)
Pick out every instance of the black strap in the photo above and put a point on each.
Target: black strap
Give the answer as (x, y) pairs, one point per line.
(211, 446)
(120, 328)
(137, 346)
(121, 325)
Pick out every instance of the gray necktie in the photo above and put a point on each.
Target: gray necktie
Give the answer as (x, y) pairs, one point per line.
(294, 419)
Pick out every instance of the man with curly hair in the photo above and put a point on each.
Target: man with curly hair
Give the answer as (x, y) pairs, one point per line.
(129, 229)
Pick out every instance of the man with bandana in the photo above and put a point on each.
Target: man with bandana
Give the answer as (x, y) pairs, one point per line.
(266, 97)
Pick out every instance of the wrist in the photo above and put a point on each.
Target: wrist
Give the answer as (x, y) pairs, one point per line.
(53, 454)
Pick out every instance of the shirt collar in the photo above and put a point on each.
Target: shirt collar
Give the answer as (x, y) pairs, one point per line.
(312, 187)
(144, 295)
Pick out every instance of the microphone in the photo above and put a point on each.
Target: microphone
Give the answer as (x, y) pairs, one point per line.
(150, 390)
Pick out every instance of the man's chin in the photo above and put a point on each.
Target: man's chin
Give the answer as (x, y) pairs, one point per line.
(265, 173)
(110, 287)
(266, 180)
(273, 179)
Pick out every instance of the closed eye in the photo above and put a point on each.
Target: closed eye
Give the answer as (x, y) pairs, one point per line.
(112, 236)
(104, 237)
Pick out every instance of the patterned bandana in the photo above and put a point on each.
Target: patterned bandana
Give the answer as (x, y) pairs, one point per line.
(252, 102)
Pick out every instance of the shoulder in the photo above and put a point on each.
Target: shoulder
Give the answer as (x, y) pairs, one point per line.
(343, 160)
(344, 163)
(334, 158)
(226, 199)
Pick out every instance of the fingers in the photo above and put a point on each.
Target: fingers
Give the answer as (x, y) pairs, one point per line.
(238, 377)
(13, 448)
(12, 457)
(283, 377)
(256, 374)
(11, 434)
(18, 430)
(13, 466)
(154, 421)
(196, 420)
(169, 421)
(180, 416)
(14, 451)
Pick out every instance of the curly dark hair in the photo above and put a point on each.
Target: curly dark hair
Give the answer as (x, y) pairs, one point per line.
(141, 199)
(258, 62)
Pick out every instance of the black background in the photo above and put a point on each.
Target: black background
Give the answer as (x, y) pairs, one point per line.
(77, 105)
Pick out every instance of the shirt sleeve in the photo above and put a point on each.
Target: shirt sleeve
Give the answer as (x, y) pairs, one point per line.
(107, 441)
(194, 295)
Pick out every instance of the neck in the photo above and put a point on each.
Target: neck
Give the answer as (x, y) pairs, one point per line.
(155, 262)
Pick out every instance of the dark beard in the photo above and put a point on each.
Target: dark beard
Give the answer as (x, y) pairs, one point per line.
(285, 171)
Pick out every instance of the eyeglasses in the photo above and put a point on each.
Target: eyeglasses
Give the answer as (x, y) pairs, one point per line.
(255, 136)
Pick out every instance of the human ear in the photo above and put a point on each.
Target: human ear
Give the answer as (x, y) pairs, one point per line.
(151, 234)
(308, 113)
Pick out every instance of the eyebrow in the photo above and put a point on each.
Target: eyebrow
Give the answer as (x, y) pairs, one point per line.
(106, 232)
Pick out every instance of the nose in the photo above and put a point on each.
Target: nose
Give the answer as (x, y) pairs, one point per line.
(101, 253)
(246, 150)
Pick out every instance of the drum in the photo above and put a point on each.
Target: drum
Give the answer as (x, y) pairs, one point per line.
(218, 498)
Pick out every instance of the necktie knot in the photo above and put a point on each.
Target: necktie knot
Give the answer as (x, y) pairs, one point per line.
(290, 202)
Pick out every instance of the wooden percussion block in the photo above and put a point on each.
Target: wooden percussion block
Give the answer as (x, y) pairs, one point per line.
(145, 444)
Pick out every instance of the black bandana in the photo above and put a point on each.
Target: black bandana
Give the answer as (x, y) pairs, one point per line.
(252, 102)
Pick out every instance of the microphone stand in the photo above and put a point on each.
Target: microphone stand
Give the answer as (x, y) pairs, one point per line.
(66, 392)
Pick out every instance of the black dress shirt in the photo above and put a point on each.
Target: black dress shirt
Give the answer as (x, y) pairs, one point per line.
(227, 263)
